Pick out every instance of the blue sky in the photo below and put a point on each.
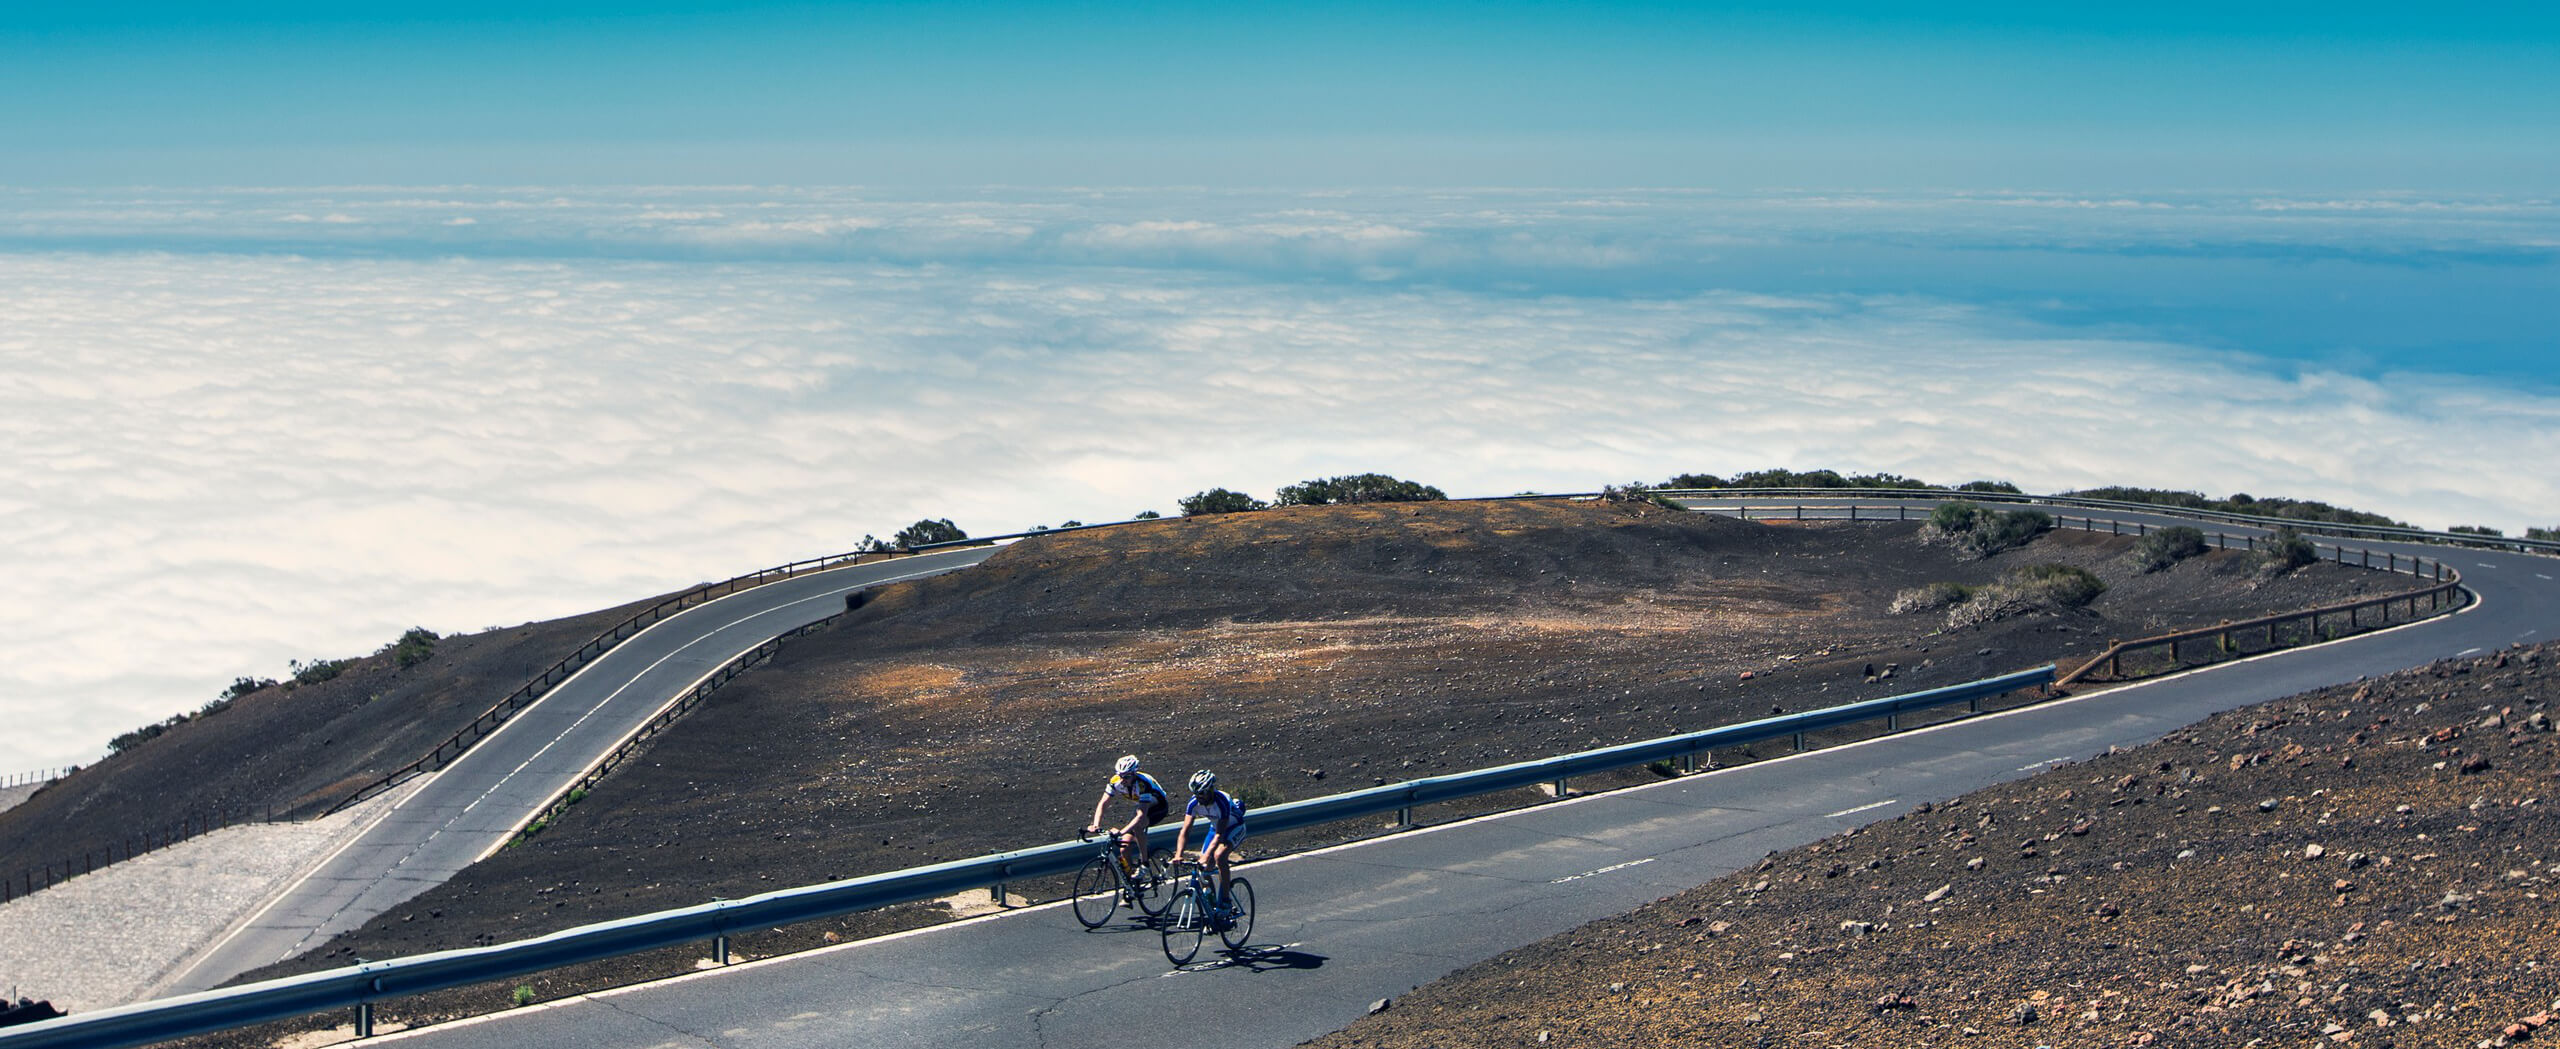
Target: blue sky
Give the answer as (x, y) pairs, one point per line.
(2155, 96)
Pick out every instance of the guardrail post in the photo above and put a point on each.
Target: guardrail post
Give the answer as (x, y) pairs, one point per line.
(1799, 741)
(1893, 721)
(1799, 511)
(364, 1019)
(1562, 785)
(720, 949)
(1901, 512)
(1688, 764)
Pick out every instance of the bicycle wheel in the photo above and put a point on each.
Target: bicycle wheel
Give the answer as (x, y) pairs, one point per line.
(1238, 928)
(1097, 893)
(1186, 923)
(1153, 897)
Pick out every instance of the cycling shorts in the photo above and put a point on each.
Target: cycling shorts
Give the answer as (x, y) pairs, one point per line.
(1233, 837)
(1156, 812)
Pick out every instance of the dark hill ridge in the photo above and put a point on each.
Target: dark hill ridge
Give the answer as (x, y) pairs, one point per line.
(296, 750)
(2370, 864)
(1299, 651)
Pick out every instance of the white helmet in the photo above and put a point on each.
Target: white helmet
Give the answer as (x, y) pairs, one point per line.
(1127, 764)
(1203, 781)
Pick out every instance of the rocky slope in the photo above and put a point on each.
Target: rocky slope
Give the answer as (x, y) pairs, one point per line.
(2375, 864)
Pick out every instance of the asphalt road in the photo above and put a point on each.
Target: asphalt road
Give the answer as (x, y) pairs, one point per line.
(475, 804)
(1345, 927)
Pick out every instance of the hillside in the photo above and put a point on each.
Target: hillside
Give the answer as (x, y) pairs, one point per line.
(2371, 864)
(1299, 651)
(294, 750)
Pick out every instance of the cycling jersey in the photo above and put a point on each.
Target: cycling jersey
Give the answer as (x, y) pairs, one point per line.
(1147, 793)
(1224, 813)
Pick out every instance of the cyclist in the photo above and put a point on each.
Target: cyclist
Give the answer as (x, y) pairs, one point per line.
(1152, 803)
(1226, 828)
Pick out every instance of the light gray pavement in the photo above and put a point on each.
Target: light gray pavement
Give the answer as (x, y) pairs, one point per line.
(1345, 927)
(103, 938)
(475, 804)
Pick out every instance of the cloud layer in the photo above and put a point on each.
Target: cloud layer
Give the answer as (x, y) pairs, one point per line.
(221, 461)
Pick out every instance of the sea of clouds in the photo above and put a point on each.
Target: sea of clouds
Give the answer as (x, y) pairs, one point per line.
(248, 426)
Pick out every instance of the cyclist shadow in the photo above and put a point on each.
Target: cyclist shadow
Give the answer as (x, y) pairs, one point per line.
(1265, 958)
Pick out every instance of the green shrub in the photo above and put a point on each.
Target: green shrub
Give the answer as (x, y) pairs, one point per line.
(2162, 547)
(2239, 503)
(1931, 597)
(1357, 488)
(1981, 532)
(929, 531)
(1219, 501)
(318, 670)
(2285, 551)
(522, 996)
(1955, 518)
(1147, 515)
(2055, 586)
(2552, 532)
(2477, 530)
(413, 647)
(1999, 487)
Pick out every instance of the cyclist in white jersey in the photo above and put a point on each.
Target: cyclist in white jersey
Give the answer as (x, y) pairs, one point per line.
(1141, 790)
(1226, 827)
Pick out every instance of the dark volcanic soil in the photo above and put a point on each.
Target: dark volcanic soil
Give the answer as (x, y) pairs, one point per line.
(1300, 652)
(2372, 865)
(295, 750)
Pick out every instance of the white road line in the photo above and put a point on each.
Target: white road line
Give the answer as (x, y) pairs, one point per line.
(2538, 575)
(2041, 764)
(1859, 809)
(707, 635)
(1601, 871)
(2469, 652)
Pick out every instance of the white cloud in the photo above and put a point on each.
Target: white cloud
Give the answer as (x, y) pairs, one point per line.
(329, 450)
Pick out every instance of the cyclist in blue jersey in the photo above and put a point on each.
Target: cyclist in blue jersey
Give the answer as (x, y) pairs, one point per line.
(1141, 790)
(1226, 828)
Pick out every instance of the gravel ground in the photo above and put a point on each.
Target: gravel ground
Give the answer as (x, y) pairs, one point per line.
(2370, 864)
(104, 938)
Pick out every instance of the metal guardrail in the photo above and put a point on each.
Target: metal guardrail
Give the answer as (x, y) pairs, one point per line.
(541, 684)
(2446, 595)
(2330, 528)
(359, 986)
(20, 779)
(683, 703)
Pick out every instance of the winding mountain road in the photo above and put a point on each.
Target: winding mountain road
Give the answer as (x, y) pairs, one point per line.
(1345, 927)
(472, 806)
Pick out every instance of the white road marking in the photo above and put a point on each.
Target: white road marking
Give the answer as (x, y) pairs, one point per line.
(2484, 564)
(2538, 575)
(2041, 764)
(2468, 651)
(1861, 808)
(1601, 871)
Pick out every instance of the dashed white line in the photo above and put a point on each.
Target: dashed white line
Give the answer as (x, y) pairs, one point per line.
(1601, 871)
(2469, 652)
(2041, 764)
(2538, 575)
(1859, 809)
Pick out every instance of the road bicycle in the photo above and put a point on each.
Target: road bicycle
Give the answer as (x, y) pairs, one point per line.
(1196, 911)
(1107, 883)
